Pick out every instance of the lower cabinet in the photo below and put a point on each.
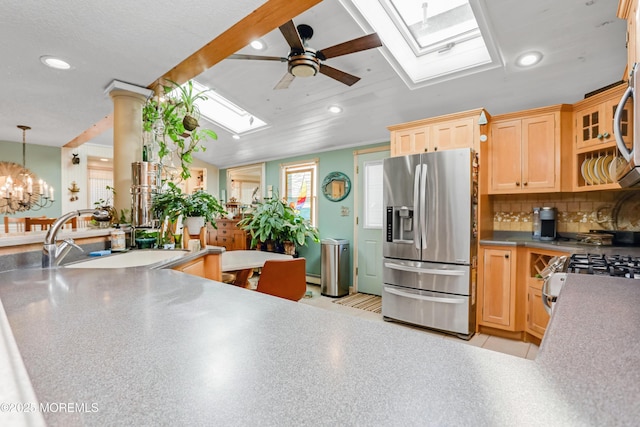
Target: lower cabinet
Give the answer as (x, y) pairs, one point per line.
(208, 266)
(227, 235)
(537, 317)
(510, 292)
(498, 292)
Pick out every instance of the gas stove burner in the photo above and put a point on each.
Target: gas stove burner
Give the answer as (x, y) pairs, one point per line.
(610, 265)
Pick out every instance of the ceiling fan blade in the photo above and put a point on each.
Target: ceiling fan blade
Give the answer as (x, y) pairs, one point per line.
(355, 45)
(264, 58)
(341, 76)
(290, 34)
(284, 82)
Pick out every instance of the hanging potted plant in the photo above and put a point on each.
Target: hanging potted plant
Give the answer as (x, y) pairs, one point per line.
(172, 122)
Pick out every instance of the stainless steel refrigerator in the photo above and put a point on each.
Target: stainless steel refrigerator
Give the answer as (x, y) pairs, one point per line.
(430, 240)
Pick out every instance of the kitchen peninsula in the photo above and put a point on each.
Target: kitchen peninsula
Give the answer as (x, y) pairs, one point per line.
(151, 347)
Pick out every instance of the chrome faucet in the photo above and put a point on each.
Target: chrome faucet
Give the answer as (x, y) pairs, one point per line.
(52, 254)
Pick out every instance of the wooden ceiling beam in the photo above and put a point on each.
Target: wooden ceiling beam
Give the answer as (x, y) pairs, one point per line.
(271, 15)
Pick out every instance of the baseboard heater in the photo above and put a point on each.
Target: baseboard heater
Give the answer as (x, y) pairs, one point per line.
(313, 279)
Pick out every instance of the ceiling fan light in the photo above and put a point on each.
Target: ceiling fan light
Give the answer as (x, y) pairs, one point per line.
(303, 70)
(304, 65)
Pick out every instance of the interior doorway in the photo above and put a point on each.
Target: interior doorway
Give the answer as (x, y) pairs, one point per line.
(245, 184)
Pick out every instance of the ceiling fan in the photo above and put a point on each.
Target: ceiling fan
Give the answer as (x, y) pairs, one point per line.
(304, 61)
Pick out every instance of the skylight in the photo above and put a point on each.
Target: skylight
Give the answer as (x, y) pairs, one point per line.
(220, 111)
(427, 42)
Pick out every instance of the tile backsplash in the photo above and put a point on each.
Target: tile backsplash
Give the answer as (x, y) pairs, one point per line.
(577, 212)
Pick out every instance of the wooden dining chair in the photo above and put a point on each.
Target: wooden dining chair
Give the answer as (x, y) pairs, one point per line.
(13, 225)
(35, 224)
(284, 278)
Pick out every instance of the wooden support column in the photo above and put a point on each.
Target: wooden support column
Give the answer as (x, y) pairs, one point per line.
(128, 101)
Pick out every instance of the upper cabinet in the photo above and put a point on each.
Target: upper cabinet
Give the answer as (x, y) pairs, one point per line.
(458, 130)
(525, 150)
(596, 160)
(627, 9)
(594, 119)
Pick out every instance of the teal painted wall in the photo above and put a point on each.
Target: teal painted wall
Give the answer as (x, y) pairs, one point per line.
(44, 162)
(331, 222)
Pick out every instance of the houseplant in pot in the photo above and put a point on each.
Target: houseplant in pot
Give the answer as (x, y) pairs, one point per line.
(172, 203)
(171, 122)
(275, 221)
(200, 208)
(266, 223)
(297, 229)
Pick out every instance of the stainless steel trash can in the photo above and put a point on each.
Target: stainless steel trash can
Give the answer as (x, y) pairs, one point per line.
(334, 271)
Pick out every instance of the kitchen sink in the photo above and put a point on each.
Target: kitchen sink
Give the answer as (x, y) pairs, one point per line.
(137, 258)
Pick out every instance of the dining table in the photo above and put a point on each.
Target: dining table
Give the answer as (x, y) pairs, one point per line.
(243, 262)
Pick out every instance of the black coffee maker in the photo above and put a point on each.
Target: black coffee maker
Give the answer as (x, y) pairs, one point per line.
(548, 223)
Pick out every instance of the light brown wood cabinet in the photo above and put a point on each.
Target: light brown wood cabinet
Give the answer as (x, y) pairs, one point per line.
(594, 141)
(627, 9)
(526, 149)
(228, 235)
(498, 289)
(536, 317)
(448, 132)
(208, 266)
(510, 292)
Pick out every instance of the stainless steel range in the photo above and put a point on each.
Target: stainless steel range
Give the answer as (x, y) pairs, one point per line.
(627, 266)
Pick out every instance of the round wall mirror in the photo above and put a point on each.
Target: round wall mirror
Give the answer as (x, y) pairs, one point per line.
(336, 186)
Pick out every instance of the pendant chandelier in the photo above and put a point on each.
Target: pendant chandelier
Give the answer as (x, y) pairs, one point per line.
(18, 190)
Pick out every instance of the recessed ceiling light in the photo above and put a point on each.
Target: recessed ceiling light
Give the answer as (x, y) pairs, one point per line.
(528, 59)
(235, 136)
(53, 62)
(335, 109)
(258, 44)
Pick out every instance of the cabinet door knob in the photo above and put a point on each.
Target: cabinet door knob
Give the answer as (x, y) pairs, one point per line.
(599, 136)
(606, 135)
(525, 183)
(506, 255)
(517, 183)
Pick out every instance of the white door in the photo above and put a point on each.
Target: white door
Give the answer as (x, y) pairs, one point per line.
(369, 211)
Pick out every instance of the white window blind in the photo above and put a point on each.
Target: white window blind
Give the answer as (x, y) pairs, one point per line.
(99, 179)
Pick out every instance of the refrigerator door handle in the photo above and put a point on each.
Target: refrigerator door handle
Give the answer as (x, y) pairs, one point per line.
(617, 118)
(423, 206)
(424, 297)
(416, 205)
(424, 270)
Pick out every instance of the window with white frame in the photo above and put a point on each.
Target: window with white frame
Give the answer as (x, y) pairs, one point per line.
(373, 182)
(99, 179)
(299, 187)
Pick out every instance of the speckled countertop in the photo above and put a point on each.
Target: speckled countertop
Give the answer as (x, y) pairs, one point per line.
(159, 347)
(561, 245)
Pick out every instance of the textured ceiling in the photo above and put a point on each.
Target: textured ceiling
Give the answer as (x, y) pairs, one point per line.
(137, 42)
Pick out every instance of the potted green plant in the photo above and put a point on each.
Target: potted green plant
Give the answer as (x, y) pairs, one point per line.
(200, 208)
(266, 223)
(105, 213)
(296, 232)
(274, 221)
(172, 203)
(164, 120)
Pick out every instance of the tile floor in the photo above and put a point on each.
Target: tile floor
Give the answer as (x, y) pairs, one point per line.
(502, 345)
